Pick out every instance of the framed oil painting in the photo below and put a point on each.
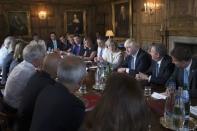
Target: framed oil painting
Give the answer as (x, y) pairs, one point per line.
(121, 18)
(19, 23)
(75, 21)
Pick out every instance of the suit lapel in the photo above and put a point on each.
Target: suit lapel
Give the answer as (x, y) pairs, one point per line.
(154, 68)
(181, 76)
(193, 68)
(137, 58)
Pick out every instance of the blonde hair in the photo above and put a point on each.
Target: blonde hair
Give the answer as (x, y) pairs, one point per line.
(110, 42)
(18, 52)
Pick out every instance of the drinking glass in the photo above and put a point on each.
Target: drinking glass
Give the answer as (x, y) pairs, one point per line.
(147, 91)
(82, 89)
(102, 82)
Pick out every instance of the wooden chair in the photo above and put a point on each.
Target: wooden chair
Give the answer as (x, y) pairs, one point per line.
(4, 122)
(7, 116)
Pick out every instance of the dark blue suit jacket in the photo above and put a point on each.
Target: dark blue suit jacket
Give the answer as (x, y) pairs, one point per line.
(178, 77)
(142, 63)
(57, 109)
(165, 71)
(35, 85)
(50, 44)
(77, 51)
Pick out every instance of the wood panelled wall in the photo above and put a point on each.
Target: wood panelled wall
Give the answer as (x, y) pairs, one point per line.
(174, 17)
(55, 15)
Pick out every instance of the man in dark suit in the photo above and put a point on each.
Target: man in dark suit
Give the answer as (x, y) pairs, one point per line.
(53, 44)
(57, 108)
(186, 69)
(161, 67)
(137, 60)
(78, 48)
(65, 45)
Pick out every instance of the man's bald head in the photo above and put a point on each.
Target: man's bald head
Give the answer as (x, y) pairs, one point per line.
(50, 63)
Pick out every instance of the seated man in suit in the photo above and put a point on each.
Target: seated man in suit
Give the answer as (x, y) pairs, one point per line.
(42, 78)
(137, 60)
(54, 43)
(78, 49)
(161, 67)
(186, 69)
(56, 108)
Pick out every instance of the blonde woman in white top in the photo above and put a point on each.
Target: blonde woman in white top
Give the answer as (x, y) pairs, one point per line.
(113, 55)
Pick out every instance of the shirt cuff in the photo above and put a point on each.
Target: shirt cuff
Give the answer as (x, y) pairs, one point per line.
(149, 78)
(127, 70)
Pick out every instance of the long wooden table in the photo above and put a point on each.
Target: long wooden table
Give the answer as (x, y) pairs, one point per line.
(156, 107)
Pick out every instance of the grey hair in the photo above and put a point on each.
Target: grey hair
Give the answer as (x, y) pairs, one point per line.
(9, 42)
(160, 48)
(130, 42)
(34, 51)
(71, 70)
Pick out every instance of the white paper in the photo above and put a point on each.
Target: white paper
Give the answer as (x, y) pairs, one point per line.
(193, 110)
(93, 67)
(158, 96)
(88, 61)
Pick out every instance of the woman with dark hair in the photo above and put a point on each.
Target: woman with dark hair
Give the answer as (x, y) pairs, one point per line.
(122, 107)
(18, 55)
(89, 48)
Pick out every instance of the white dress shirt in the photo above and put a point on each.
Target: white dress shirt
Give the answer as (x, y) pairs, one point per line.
(54, 44)
(134, 57)
(188, 67)
(104, 51)
(16, 83)
(3, 53)
(159, 64)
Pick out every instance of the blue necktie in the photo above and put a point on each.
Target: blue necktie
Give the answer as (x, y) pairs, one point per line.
(101, 52)
(78, 50)
(186, 77)
(132, 63)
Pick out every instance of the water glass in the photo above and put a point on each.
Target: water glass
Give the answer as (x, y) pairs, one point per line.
(147, 91)
(82, 89)
(102, 82)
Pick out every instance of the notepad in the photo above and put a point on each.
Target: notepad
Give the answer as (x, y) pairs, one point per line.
(158, 96)
(193, 110)
(88, 61)
(93, 67)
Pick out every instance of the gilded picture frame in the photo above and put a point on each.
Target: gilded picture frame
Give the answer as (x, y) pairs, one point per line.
(19, 23)
(122, 19)
(75, 22)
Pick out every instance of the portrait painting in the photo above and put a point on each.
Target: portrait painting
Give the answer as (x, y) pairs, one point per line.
(75, 21)
(19, 23)
(121, 15)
